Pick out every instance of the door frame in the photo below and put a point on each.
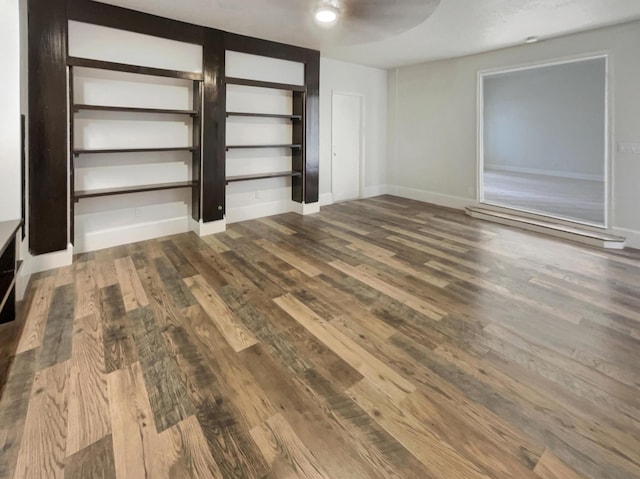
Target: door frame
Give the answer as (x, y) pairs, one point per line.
(608, 164)
(361, 165)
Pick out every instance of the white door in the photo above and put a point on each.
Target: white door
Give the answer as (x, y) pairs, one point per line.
(346, 134)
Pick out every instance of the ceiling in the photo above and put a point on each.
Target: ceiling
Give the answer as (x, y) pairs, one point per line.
(389, 33)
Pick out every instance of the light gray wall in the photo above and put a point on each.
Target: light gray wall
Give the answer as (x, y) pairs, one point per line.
(547, 120)
(432, 111)
(9, 110)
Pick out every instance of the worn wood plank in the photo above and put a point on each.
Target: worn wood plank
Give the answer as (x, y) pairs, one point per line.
(385, 378)
(42, 449)
(56, 343)
(236, 334)
(133, 293)
(88, 416)
(95, 461)
(36, 316)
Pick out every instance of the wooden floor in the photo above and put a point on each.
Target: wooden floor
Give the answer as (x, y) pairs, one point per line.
(382, 338)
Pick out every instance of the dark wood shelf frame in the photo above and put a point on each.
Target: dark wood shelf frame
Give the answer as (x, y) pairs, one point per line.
(125, 190)
(263, 115)
(250, 147)
(127, 68)
(264, 84)
(127, 109)
(262, 176)
(82, 151)
(8, 269)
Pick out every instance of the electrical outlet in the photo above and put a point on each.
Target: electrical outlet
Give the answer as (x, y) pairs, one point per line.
(631, 147)
(258, 195)
(138, 212)
(471, 190)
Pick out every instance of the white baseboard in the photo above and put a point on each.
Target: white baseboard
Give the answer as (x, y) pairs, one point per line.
(377, 190)
(252, 212)
(632, 236)
(534, 171)
(325, 199)
(42, 262)
(425, 196)
(205, 229)
(305, 208)
(97, 240)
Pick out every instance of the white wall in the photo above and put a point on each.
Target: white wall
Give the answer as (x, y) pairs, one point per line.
(548, 120)
(10, 189)
(433, 119)
(371, 83)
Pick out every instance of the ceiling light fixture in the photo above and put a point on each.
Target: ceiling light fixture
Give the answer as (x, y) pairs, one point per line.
(327, 13)
(532, 39)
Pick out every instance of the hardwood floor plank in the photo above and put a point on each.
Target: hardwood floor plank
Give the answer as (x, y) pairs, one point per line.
(385, 378)
(117, 332)
(56, 343)
(278, 441)
(14, 401)
(95, 461)
(42, 449)
(415, 303)
(167, 394)
(294, 260)
(550, 467)
(236, 334)
(307, 418)
(88, 415)
(179, 293)
(137, 448)
(36, 315)
(133, 293)
(190, 455)
(439, 457)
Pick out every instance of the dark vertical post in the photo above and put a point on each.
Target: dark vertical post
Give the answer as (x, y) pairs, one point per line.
(23, 165)
(72, 162)
(298, 154)
(196, 167)
(47, 20)
(312, 130)
(214, 119)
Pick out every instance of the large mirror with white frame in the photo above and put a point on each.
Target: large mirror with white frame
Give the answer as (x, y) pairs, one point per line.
(543, 137)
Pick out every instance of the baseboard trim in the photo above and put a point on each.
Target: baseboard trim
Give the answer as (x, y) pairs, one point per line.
(439, 199)
(210, 228)
(534, 171)
(108, 238)
(45, 262)
(252, 212)
(632, 236)
(305, 208)
(377, 190)
(325, 199)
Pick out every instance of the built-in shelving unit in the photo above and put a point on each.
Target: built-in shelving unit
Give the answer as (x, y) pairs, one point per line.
(8, 269)
(297, 138)
(135, 112)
